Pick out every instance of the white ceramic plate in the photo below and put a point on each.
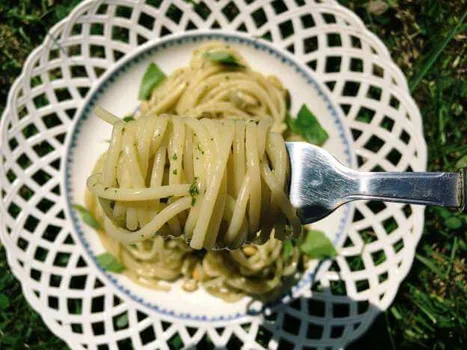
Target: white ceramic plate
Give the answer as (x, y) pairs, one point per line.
(46, 246)
(118, 91)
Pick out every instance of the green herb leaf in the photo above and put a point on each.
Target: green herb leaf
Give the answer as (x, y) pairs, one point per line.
(152, 77)
(308, 126)
(223, 57)
(287, 247)
(128, 118)
(86, 216)
(453, 223)
(109, 263)
(317, 245)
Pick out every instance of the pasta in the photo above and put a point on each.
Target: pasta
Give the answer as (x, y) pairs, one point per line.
(202, 166)
(220, 183)
(207, 89)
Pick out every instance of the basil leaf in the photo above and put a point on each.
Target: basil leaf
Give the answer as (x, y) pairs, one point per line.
(308, 126)
(109, 263)
(128, 118)
(287, 247)
(317, 246)
(152, 77)
(223, 57)
(86, 216)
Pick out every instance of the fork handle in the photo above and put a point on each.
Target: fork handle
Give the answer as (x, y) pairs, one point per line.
(442, 189)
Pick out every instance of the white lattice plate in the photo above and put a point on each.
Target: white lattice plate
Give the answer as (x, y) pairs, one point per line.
(45, 249)
(117, 92)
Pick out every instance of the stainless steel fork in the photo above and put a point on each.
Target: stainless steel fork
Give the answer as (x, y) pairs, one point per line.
(320, 184)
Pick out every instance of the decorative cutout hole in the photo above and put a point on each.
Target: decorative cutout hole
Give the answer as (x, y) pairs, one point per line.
(121, 34)
(307, 21)
(75, 306)
(146, 21)
(279, 7)
(351, 88)
(147, 335)
(329, 18)
(230, 11)
(337, 331)
(377, 70)
(41, 254)
(102, 9)
(41, 177)
(123, 11)
(405, 137)
(31, 223)
(374, 144)
(333, 64)
(174, 13)
(394, 156)
(97, 305)
(355, 42)
(24, 161)
(376, 207)
(378, 257)
(390, 225)
(78, 71)
(202, 10)
(374, 93)
(316, 308)
(367, 235)
(311, 44)
(334, 40)
(362, 285)
(41, 101)
(356, 65)
(175, 342)
(43, 148)
(387, 123)
(340, 310)
(314, 331)
(62, 259)
(355, 263)
(286, 29)
(291, 324)
(96, 29)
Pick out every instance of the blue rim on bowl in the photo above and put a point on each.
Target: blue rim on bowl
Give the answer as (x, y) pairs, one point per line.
(149, 49)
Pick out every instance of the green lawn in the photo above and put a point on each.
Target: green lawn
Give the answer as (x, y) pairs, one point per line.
(427, 42)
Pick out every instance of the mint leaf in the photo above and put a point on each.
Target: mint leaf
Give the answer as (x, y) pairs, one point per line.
(86, 216)
(128, 118)
(109, 263)
(308, 126)
(287, 247)
(152, 77)
(223, 57)
(317, 246)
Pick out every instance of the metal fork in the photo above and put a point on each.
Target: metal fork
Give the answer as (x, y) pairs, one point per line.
(320, 184)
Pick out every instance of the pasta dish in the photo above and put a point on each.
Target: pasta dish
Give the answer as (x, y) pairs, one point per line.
(194, 185)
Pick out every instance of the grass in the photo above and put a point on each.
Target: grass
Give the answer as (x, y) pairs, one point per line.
(427, 40)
